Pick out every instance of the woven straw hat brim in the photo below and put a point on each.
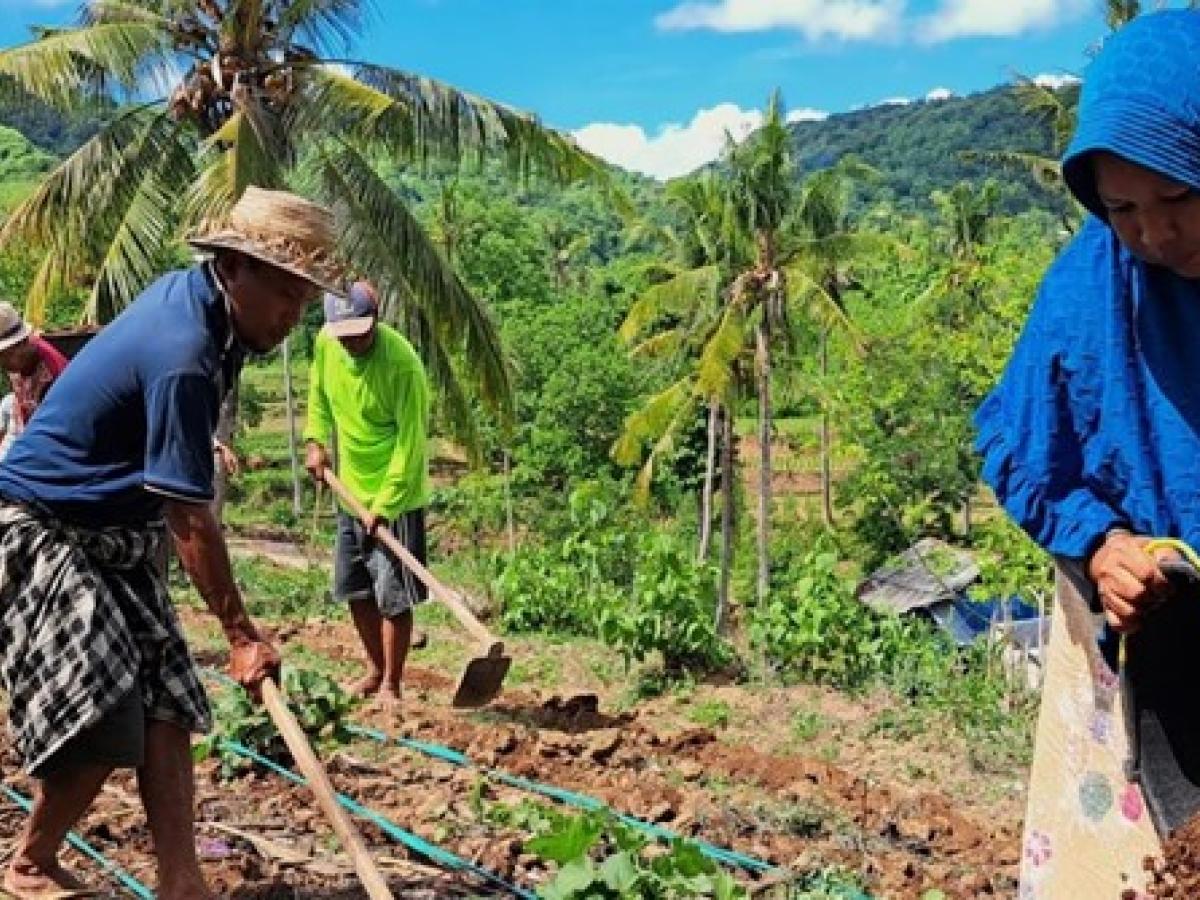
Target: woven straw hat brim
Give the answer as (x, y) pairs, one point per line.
(25, 331)
(233, 241)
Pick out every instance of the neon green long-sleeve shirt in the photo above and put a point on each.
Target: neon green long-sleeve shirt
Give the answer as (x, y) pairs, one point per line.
(378, 404)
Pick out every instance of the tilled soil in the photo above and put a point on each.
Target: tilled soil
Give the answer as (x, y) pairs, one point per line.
(261, 837)
(1177, 874)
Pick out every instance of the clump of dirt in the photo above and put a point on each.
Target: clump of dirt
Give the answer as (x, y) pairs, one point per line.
(1177, 873)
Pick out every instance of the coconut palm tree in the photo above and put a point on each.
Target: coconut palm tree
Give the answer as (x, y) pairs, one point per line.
(763, 177)
(215, 95)
(682, 310)
(755, 266)
(825, 248)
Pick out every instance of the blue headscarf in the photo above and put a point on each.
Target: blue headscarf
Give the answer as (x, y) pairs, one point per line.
(1141, 101)
(1096, 421)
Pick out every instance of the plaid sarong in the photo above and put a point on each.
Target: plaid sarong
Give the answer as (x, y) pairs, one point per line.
(84, 615)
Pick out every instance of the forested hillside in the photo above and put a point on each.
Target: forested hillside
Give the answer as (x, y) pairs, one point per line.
(918, 147)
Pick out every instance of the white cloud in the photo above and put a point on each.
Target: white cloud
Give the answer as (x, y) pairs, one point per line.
(939, 93)
(815, 19)
(992, 18)
(1054, 80)
(807, 115)
(894, 101)
(676, 149)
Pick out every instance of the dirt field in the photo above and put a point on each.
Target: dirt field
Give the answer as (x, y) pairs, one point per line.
(729, 785)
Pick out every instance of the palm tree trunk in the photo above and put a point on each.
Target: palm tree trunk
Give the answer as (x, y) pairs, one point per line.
(764, 444)
(727, 511)
(706, 492)
(826, 441)
(508, 505)
(293, 451)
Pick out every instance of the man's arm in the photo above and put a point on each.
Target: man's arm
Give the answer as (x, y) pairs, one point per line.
(201, 548)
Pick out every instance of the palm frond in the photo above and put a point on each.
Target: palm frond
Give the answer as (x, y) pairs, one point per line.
(1045, 171)
(59, 267)
(424, 119)
(60, 208)
(248, 149)
(147, 224)
(384, 238)
(672, 297)
(715, 371)
(824, 307)
(455, 409)
(74, 64)
(665, 343)
(324, 25)
(648, 423)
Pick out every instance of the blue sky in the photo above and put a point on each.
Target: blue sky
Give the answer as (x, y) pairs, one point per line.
(653, 84)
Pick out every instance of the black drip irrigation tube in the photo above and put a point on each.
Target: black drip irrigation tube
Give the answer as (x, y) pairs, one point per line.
(110, 868)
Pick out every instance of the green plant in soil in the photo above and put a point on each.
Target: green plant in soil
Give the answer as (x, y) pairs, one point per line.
(598, 858)
(320, 706)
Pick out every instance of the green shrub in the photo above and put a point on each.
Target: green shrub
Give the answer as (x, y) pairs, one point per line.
(671, 610)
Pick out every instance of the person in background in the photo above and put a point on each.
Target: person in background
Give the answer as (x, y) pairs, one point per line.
(31, 363)
(367, 385)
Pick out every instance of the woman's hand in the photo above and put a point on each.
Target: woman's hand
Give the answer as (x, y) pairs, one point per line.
(1128, 579)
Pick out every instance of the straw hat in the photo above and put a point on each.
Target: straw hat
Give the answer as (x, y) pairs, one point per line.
(13, 329)
(282, 230)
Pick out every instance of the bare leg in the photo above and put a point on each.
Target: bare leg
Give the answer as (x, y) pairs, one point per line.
(167, 785)
(370, 631)
(397, 636)
(59, 802)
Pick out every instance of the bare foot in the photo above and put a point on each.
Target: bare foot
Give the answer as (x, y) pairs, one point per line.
(366, 687)
(27, 880)
(389, 698)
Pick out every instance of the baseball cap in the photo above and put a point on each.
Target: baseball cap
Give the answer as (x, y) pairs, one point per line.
(352, 315)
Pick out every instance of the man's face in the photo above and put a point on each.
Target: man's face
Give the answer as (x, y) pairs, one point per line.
(267, 302)
(1156, 218)
(360, 345)
(20, 358)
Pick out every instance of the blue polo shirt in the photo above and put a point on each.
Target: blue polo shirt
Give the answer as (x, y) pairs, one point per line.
(131, 420)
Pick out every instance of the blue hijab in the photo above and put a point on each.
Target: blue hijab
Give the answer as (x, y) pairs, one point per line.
(1096, 420)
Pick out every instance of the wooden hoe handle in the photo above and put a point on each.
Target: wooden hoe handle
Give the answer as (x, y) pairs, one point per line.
(311, 768)
(439, 590)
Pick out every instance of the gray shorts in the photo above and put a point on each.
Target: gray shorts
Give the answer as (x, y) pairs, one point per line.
(117, 740)
(364, 569)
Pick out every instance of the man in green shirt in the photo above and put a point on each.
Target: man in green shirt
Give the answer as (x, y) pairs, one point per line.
(368, 386)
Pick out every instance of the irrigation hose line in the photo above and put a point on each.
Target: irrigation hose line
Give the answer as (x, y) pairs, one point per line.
(110, 868)
(569, 798)
(434, 853)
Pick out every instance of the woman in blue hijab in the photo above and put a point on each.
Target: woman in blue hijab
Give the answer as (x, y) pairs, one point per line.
(1091, 441)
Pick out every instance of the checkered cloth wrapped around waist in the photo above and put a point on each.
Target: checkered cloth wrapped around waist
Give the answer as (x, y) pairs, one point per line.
(84, 616)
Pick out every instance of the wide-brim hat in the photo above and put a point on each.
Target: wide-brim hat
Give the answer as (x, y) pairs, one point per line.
(282, 230)
(13, 328)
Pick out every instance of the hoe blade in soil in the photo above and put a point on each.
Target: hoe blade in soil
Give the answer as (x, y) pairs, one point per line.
(482, 679)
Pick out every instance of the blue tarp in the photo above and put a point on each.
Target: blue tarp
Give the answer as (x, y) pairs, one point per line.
(966, 620)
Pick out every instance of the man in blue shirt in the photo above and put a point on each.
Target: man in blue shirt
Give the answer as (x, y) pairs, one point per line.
(92, 657)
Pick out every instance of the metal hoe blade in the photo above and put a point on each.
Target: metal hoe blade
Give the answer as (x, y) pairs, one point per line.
(482, 679)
